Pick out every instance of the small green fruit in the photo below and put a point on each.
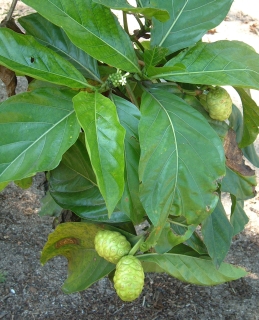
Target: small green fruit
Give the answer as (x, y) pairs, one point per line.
(111, 245)
(129, 278)
(219, 104)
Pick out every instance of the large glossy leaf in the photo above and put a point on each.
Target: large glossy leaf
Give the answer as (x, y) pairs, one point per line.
(159, 14)
(191, 269)
(251, 119)
(238, 216)
(220, 127)
(92, 28)
(154, 56)
(54, 37)
(217, 234)
(25, 55)
(177, 144)
(218, 63)
(49, 207)
(36, 128)
(242, 187)
(189, 21)
(75, 241)
(129, 118)
(73, 186)
(105, 143)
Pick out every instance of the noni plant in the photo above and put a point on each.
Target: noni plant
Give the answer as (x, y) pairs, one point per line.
(129, 278)
(111, 245)
(116, 121)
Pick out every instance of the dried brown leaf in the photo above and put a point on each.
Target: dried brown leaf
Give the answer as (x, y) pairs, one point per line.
(9, 79)
(234, 155)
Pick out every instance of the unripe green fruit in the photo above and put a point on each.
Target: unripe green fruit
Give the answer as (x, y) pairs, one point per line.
(219, 104)
(129, 278)
(111, 245)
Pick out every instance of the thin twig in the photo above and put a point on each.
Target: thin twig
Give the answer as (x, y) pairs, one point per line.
(11, 10)
(125, 22)
(131, 95)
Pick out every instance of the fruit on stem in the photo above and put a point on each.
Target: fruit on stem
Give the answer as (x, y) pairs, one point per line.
(111, 245)
(217, 103)
(129, 278)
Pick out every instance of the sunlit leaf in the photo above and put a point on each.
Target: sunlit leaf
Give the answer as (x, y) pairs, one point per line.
(36, 128)
(33, 59)
(104, 138)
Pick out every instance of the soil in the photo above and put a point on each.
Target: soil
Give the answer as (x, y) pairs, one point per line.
(32, 291)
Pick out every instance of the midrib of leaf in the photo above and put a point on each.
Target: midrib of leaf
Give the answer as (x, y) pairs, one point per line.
(80, 174)
(71, 57)
(31, 145)
(175, 140)
(169, 30)
(34, 68)
(42, 71)
(199, 72)
(93, 34)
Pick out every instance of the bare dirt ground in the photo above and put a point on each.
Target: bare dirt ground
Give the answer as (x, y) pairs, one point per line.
(33, 292)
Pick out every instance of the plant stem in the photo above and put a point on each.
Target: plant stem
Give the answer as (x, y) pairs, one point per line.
(11, 10)
(134, 39)
(142, 27)
(131, 95)
(125, 22)
(136, 247)
(177, 223)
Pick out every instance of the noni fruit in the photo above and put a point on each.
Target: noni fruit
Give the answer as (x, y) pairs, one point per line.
(218, 104)
(129, 278)
(111, 245)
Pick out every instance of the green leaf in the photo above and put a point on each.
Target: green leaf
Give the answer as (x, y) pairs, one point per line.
(191, 269)
(129, 118)
(157, 72)
(238, 216)
(220, 127)
(73, 186)
(154, 56)
(172, 235)
(36, 128)
(196, 244)
(55, 38)
(179, 233)
(217, 234)
(236, 122)
(184, 250)
(189, 21)
(159, 14)
(25, 55)
(251, 119)
(175, 140)
(92, 28)
(242, 187)
(25, 183)
(218, 63)
(105, 143)
(250, 153)
(49, 207)
(3, 185)
(75, 241)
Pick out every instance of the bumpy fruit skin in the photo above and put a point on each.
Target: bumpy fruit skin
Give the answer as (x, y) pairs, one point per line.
(111, 245)
(129, 278)
(219, 104)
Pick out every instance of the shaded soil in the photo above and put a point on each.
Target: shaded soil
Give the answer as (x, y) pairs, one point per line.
(32, 291)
